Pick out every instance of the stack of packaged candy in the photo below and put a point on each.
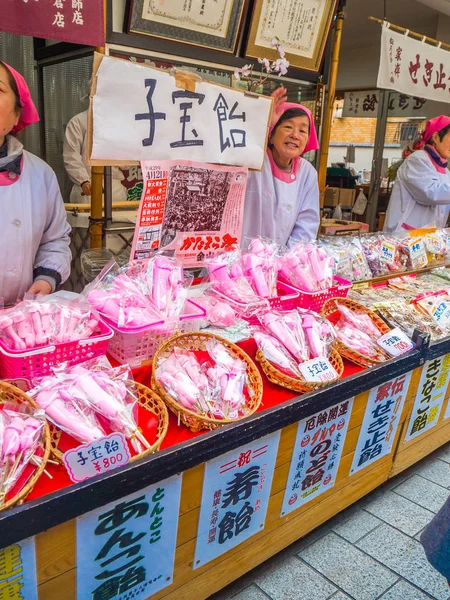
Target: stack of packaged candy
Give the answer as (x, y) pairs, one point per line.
(307, 267)
(52, 319)
(143, 293)
(91, 400)
(21, 431)
(357, 331)
(214, 386)
(290, 338)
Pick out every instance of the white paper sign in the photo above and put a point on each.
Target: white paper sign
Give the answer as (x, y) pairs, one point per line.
(98, 457)
(412, 67)
(380, 423)
(430, 396)
(318, 369)
(126, 549)
(18, 571)
(140, 114)
(395, 342)
(236, 490)
(317, 452)
(365, 104)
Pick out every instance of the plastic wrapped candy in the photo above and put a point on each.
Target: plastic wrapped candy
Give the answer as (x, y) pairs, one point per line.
(21, 431)
(287, 329)
(436, 246)
(319, 333)
(275, 352)
(360, 268)
(415, 251)
(383, 254)
(307, 267)
(261, 266)
(354, 330)
(337, 248)
(437, 306)
(218, 313)
(48, 320)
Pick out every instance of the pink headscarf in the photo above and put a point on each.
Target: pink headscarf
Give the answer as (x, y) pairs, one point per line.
(435, 125)
(29, 113)
(312, 143)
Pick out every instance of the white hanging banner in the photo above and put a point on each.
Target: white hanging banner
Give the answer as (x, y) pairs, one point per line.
(18, 571)
(413, 67)
(365, 104)
(141, 113)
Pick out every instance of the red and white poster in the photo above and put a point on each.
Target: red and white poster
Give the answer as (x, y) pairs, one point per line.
(194, 209)
(77, 21)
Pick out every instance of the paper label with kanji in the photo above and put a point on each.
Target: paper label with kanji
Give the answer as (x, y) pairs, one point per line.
(395, 342)
(381, 419)
(235, 497)
(430, 396)
(126, 549)
(18, 571)
(97, 457)
(387, 252)
(316, 455)
(318, 370)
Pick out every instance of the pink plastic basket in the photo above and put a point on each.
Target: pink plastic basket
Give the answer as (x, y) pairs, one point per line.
(315, 300)
(39, 361)
(134, 347)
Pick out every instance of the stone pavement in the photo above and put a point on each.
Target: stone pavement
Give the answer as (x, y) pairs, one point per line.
(369, 551)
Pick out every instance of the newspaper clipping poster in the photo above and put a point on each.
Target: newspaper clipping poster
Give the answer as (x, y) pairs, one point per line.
(194, 209)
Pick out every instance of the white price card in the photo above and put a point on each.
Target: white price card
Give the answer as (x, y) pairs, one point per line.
(317, 370)
(97, 457)
(395, 342)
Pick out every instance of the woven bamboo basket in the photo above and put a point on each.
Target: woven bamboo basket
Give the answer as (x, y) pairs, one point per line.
(11, 393)
(297, 384)
(148, 400)
(196, 341)
(330, 307)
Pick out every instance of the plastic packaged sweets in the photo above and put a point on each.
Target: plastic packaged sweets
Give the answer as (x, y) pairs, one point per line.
(401, 314)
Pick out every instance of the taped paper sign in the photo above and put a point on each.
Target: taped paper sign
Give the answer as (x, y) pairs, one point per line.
(141, 113)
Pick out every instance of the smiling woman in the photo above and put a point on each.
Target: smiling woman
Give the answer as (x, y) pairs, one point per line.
(282, 201)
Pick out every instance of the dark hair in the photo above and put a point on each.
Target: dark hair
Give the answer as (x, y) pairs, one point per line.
(443, 132)
(13, 84)
(290, 113)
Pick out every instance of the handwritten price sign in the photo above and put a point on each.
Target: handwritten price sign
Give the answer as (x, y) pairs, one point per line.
(318, 370)
(395, 342)
(97, 457)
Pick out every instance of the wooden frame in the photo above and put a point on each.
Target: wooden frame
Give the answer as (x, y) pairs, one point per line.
(297, 59)
(192, 33)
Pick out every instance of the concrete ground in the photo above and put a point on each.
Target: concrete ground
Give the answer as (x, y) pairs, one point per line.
(370, 551)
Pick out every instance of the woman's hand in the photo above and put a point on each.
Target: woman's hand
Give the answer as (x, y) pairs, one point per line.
(279, 96)
(40, 287)
(86, 187)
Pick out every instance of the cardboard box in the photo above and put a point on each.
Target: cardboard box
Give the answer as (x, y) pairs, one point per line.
(331, 196)
(341, 227)
(346, 197)
(342, 196)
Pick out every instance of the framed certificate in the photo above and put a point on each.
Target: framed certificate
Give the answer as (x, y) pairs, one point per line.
(208, 23)
(302, 26)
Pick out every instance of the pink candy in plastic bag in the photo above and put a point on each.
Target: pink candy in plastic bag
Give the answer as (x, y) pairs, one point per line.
(275, 352)
(287, 328)
(307, 267)
(261, 266)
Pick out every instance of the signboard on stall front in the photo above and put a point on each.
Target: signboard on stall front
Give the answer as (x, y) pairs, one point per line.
(316, 456)
(430, 396)
(235, 497)
(173, 116)
(365, 104)
(77, 21)
(413, 67)
(193, 209)
(18, 571)
(381, 419)
(126, 549)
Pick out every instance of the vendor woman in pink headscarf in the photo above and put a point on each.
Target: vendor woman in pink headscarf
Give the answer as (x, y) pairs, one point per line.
(34, 244)
(421, 193)
(282, 201)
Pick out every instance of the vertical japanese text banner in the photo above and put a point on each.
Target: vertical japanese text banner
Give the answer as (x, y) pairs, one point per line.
(18, 571)
(430, 396)
(235, 497)
(160, 120)
(412, 67)
(316, 455)
(381, 419)
(126, 549)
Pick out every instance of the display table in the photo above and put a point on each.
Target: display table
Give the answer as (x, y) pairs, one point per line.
(51, 517)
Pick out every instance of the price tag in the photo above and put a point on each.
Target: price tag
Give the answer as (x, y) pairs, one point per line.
(387, 252)
(441, 313)
(395, 342)
(97, 457)
(318, 369)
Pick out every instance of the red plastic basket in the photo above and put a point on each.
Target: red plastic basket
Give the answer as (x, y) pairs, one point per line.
(39, 361)
(315, 300)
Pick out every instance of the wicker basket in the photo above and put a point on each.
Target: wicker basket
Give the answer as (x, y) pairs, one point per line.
(298, 385)
(147, 399)
(197, 342)
(330, 308)
(11, 393)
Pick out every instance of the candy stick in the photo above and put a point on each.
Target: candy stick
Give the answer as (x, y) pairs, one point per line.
(6, 325)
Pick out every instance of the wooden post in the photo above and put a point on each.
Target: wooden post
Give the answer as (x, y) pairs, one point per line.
(326, 132)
